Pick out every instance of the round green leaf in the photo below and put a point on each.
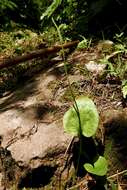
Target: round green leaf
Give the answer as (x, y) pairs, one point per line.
(88, 116)
(100, 167)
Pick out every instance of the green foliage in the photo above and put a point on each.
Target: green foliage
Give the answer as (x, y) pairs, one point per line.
(75, 14)
(4, 4)
(68, 12)
(51, 9)
(116, 65)
(99, 168)
(18, 41)
(24, 12)
(124, 88)
(29, 12)
(83, 44)
(5, 7)
(12, 44)
(83, 119)
(88, 116)
(119, 37)
(37, 14)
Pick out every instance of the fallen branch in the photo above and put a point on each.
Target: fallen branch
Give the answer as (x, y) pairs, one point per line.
(8, 62)
(117, 174)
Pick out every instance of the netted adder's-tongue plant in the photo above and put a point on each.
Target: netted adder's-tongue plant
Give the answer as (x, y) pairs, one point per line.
(82, 120)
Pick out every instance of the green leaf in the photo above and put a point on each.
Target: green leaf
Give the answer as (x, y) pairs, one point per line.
(100, 167)
(51, 9)
(124, 91)
(124, 88)
(120, 47)
(88, 116)
(83, 44)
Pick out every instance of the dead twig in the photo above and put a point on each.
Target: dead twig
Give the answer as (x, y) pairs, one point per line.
(84, 182)
(7, 62)
(117, 174)
(27, 134)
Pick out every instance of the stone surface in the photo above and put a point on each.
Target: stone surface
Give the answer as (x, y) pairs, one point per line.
(29, 128)
(38, 142)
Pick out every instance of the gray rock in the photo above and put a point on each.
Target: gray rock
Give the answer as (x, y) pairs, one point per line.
(32, 136)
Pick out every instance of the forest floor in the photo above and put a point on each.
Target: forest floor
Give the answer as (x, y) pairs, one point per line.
(25, 88)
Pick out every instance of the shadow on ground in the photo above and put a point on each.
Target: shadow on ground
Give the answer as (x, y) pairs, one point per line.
(38, 177)
(21, 94)
(24, 85)
(116, 142)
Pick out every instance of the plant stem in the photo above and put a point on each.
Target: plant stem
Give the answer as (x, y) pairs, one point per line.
(72, 94)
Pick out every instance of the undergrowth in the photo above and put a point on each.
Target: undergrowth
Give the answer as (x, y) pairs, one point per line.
(18, 42)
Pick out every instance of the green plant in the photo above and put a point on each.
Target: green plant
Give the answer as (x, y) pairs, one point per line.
(88, 116)
(85, 43)
(75, 14)
(6, 4)
(124, 88)
(99, 168)
(83, 119)
(119, 37)
(115, 63)
(51, 9)
(5, 7)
